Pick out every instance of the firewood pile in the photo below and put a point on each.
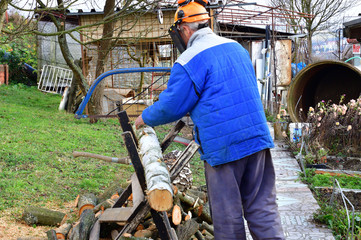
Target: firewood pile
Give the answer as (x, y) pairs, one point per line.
(189, 216)
(159, 202)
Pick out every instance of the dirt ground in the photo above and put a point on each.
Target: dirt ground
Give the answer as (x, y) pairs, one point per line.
(12, 229)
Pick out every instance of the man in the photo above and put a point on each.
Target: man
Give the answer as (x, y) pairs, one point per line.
(214, 81)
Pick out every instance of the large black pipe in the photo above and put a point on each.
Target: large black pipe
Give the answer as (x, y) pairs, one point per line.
(325, 80)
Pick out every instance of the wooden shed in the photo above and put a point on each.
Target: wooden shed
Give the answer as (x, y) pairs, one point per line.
(141, 40)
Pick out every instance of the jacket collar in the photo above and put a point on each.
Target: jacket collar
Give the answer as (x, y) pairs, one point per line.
(198, 35)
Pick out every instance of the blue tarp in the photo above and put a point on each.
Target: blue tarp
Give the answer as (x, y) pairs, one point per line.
(295, 68)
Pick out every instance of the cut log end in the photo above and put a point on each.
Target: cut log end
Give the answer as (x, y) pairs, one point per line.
(176, 215)
(60, 236)
(86, 206)
(160, 200)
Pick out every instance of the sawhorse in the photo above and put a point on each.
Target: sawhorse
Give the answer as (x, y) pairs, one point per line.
(131, 217)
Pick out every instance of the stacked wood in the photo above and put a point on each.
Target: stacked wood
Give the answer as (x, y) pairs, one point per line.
(185, 179)
(159, 188)
(186, 217)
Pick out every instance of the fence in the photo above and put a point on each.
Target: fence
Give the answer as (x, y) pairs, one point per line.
(54, 79)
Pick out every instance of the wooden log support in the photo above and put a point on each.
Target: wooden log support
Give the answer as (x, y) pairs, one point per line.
(168, 139)
(165, 231)
(124, 196)
(142, 211)
(159, 188)
(95, 231)
(134, 156)
(124, 160)
(86, 201)
(37, 215)
(126, 126)
(183, 160)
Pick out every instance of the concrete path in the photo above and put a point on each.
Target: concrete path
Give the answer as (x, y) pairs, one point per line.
(295, 200)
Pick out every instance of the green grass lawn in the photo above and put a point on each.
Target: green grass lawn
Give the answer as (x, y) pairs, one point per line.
(36, 145)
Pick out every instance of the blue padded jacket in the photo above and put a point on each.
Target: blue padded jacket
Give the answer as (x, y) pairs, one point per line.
(214, 80)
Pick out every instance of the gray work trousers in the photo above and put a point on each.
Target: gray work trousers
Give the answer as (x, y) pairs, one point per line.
(244, 188)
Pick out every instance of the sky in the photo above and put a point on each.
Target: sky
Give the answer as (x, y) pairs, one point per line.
(99, 4)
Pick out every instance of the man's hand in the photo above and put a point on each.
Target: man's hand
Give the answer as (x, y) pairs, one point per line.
(139, 122)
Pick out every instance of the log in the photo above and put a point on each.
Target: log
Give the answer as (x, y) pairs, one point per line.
(145, 233)
(104, 205)
(200, 208)
(188, 216)
(113, 234)
(205, 214)
(187, 229)
(37, 215)
(176, 215)
(86, 201)
(190, 201)
(195, 193)
(110, 191)
(51, 235)
(199, 235)
(31, 238)
(81, 230)
(207, 227)
(63, 230)
(159, 188)
(131, 238)
(124, 160)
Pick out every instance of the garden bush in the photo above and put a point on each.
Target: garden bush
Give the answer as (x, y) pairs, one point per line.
(336, 128)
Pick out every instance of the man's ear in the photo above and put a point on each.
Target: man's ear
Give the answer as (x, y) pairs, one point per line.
(187, 31)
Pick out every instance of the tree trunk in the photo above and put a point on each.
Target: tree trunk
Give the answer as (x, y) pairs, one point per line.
(71, 104)
(95, 103)
(160, 193)
(3, 9)
(78, 76)
(309, 48)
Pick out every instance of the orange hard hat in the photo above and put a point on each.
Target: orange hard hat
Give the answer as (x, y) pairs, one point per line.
(191, 12)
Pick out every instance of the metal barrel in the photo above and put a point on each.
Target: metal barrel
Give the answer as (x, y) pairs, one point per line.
(324, 80)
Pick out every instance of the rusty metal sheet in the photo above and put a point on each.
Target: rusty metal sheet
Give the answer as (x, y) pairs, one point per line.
(283, 62)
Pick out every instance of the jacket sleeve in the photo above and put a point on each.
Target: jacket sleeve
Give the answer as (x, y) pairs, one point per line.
(176, 101)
